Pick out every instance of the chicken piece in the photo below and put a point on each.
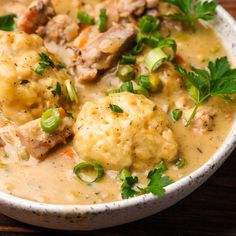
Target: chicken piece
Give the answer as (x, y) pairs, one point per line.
(203, 120)
(111, 7)
(100, 52)
(38, 142)
(152, 3)
(131, 7)
(61, 29)
(38, 14)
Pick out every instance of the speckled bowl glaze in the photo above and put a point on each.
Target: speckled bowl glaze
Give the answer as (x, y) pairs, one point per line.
(90, 217)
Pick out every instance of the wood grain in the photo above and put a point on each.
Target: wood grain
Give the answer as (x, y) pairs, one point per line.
(211, 210)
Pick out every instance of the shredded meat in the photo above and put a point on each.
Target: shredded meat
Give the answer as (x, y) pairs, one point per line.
(37, 14)
(129, 7)
(38, 142)
(61, 29)
(152, 3)
(101, 52)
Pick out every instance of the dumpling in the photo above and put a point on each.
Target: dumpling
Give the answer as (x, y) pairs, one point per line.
(137, 137)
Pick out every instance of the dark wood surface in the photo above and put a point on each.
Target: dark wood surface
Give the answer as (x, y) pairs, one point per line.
(210, 210)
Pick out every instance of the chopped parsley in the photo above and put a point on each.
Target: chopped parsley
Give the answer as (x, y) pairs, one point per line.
(176, 114)
(85, 18)
(217, 80)
(157, 182)
(7, 22)
(191, 11)
(57, 90)
(45, 63)
(115, 108)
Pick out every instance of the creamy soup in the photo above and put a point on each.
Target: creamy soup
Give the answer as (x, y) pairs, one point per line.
(132, 130)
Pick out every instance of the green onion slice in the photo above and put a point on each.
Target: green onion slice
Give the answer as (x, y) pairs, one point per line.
(149, 24)
(180, 163)
(128, 59)
(7, 22)
(89, 165)
(85, 18)
(72, 94)
(154, 59)
(126, 73)
(50, 120)
(168, 43)
(144, 81)
(102, 22)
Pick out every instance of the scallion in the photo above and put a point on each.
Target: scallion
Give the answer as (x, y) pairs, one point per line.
(72, 94)
(154, 59)
(144, 81)
(89, 165)
(149, 24)
(85, 18)
(7, 22)
(180, 163)
(128, 59)
(102, 22)
(126, 73)
(168, 43)
(50, 120)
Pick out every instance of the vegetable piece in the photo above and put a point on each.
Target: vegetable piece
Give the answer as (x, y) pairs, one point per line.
(45, 62)
(166, 43)
(156, 83)
(156, 184)
(127, 87)
(115, 108)
(142, 90)
(180, 163)
(126, 73)
(85, 18)
(7, 22)
(217, 80)
(50, 120)
(89, 165)
(128, 59)
(57, 90)
(128, 181)
(102, 22)
(149, 24)
(71, 91)
(144, 81)
(176, 114)
(154, 59)
(191, 11)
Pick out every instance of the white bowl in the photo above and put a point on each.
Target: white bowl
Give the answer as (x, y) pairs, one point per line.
(89, 217)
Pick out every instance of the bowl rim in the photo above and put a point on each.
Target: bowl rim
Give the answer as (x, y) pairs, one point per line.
(213, 164)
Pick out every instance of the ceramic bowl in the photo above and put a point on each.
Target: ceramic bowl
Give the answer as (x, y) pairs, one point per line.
(90, 217)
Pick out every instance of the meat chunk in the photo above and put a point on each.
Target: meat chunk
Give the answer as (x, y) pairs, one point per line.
(152, 3)
(38, 142)
(61, 29)
(100, 52)
(131, 7)
(38, 14)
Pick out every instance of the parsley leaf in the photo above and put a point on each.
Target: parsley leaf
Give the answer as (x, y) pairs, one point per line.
(7, 22)
(57, 90)
(156, 184)
(45, 62)
(217, 80)
(191, 11)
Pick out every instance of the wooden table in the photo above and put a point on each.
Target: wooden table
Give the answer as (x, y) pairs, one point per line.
(211, 210)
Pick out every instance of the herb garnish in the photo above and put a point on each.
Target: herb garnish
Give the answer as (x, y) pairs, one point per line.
(7, 23)
(57, 90)
(191, 11)
(45, 62)
(115, 108)
(217, 80)
(156, 184)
